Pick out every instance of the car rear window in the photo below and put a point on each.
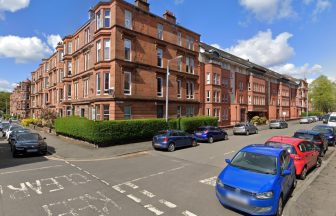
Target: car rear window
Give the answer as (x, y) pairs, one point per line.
(322, 129)
(239, 125)
(304, 136)
(202, 128)
(274, 121)
(29, 137)
(290, 149)
(332, 119)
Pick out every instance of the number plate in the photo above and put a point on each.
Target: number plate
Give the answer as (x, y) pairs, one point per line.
(237, 198)
(32, 150)
(199, 134)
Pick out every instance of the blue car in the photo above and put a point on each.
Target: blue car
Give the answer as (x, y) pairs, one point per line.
(172, 139)
(210, 134)
(258, 180)
(328, 132)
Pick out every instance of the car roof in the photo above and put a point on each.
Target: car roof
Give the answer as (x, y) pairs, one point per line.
(262, 149)
(324, 126)
(286, 140)
(308, 132)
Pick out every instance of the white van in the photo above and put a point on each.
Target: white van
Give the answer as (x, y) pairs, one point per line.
(332, 119)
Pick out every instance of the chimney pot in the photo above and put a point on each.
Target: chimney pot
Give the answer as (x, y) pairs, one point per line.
(169, 16)
(142, 4)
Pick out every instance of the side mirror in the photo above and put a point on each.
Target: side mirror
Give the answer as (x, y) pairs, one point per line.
(286, 172)
(228, 161)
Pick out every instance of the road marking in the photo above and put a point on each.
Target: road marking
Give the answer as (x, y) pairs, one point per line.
(209, 181)
(167, 203)
(226, 153)
(117, 188)
(27, 170)
(134, 198)
(131, 185)
(105, 182)
(188, 213)
(153, 209)
(147, 193)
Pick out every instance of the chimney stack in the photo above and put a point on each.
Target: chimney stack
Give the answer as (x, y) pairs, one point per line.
(142, 4)
(169, 16)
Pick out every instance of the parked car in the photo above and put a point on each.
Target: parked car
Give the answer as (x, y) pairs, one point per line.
(312, 118)
(279, 123)
(4, 129)
(332, 120)
(329, 133)
(314, 136)
(210, 134)
(325, 118)
(315, 118)
(15, 133)
(11, 129)
(303, 152)
(26, 143)
(172, 139)
(258, 180)
(245, 128)
(3, 125)
(306, 120)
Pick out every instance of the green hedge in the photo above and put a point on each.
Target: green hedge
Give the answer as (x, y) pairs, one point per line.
(107, 133)
(304, 114)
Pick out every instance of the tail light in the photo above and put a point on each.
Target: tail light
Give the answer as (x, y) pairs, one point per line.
(206, 131)
(297, 157)
(165, 139)
(318, 143)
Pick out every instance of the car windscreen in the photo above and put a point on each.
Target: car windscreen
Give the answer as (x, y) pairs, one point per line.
(5, 124)
(239, 125)
(202, 129)
(323, 130)
(304, 136)
(255, 162)
(28, 137)
(290, 149)
(332, 119)
(274, 121)
(163, 133)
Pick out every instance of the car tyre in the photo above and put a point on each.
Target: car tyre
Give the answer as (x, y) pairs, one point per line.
(226, 137)
(194, 143)
(280, 207)
(318, 162)
(210, 139)
(14, 153)
(256, 132)
(247, 133)
(303, 174)
(171, 147)
(322, 154)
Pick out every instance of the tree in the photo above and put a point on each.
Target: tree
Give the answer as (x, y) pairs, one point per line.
(48, 117)
(4, 96)
(322, 93)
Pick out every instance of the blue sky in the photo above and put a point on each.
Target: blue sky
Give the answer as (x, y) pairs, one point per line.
(295, 37)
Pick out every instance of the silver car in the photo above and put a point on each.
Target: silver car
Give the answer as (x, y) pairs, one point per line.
(306, 120)
(245, 128)
(278, 124)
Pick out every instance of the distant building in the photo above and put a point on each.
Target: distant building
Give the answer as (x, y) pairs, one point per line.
(20, 100)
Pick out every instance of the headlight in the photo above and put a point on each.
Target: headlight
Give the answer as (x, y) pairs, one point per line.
(265, 195)
(330, 137)
(220, 183)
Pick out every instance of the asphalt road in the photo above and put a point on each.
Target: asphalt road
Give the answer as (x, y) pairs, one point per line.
(147, 183)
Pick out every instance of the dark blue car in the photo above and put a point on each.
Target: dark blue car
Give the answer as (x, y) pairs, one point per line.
(314, 136)
(172, 139)
(328, 132)
(210, 134)
(258, 180)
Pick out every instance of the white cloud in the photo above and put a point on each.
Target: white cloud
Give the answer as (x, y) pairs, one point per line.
(6, 86)
(177, 2)
(299, 72)
(264, 50)
(268, 10)
(13, 5)
(23, 49)
(307, 2)
(216, 46)
(321, 5)
(53, 40)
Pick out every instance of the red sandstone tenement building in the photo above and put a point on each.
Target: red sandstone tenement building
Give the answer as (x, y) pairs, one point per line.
(20, 100)
(114, 67)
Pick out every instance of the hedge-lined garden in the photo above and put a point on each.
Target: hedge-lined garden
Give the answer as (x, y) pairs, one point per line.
(304, 114)
(107, 133)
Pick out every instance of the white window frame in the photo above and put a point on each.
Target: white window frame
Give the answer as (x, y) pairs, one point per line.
(98, 83)
(128, 91)
(128, 19)
(107, 17)
(208, 96)
(159, 31)
(179, 38)
(208, 78)
(98, 51)
(108, 114)
(86, 88)
(159, 54)
(76, 90)
(107, 49)
(128, 45)
(107, 90)
(127, 115)
(158, 93)
(98, 20)
(179, 88)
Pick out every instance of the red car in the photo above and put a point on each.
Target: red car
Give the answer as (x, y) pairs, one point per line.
(304, 153)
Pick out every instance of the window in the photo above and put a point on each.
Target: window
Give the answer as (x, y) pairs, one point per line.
(225, 83)
(107, 49)
(82, 112)
(241, 86)
(249, 99)
(215, 96)
(69, 68)
(179, 111)
(98, 20)
(179, 85)
(179, 64)
(249, 86)
(106, 83)
(127, 112)
(61, 54)
(160, 31)
(208, 78)
(226, 114)
(106, 112)
(97, 112)
(107, 18)
(87, 35)
(127, 83)
(77, 66)
(98, 83)
(216, 79)
(208, 112)
(190, 111)
(69, 91)
(187, 64)
(86, 88)
(190, 90)
(86, 61)
(179, 38)
(159, 58)
(76, 43)
(159, 89)
(68, 110)
(208, 96)
(128, 19)
(69, 47)
(216, 112)
(128, 48)
(98, 47)
(76, 90)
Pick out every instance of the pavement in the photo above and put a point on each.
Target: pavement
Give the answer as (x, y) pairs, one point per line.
(146, 183)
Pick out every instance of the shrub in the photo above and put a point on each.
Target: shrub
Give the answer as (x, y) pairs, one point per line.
(304, 114)
(191, 124)
(174, 124)
(255, 120)
(262, 120)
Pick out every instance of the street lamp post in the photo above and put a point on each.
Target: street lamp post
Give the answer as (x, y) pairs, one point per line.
(167, 85)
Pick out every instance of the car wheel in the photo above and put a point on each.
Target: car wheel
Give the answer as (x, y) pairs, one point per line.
(334, 143)
(318, 162)
(303, 174)
(322, 153)
(234, 134)
(247, 133)
(280, 207)
(226, 137)
(256, 132)
(210, 139)
(194, 143)
(171, 147)
(14, 153)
